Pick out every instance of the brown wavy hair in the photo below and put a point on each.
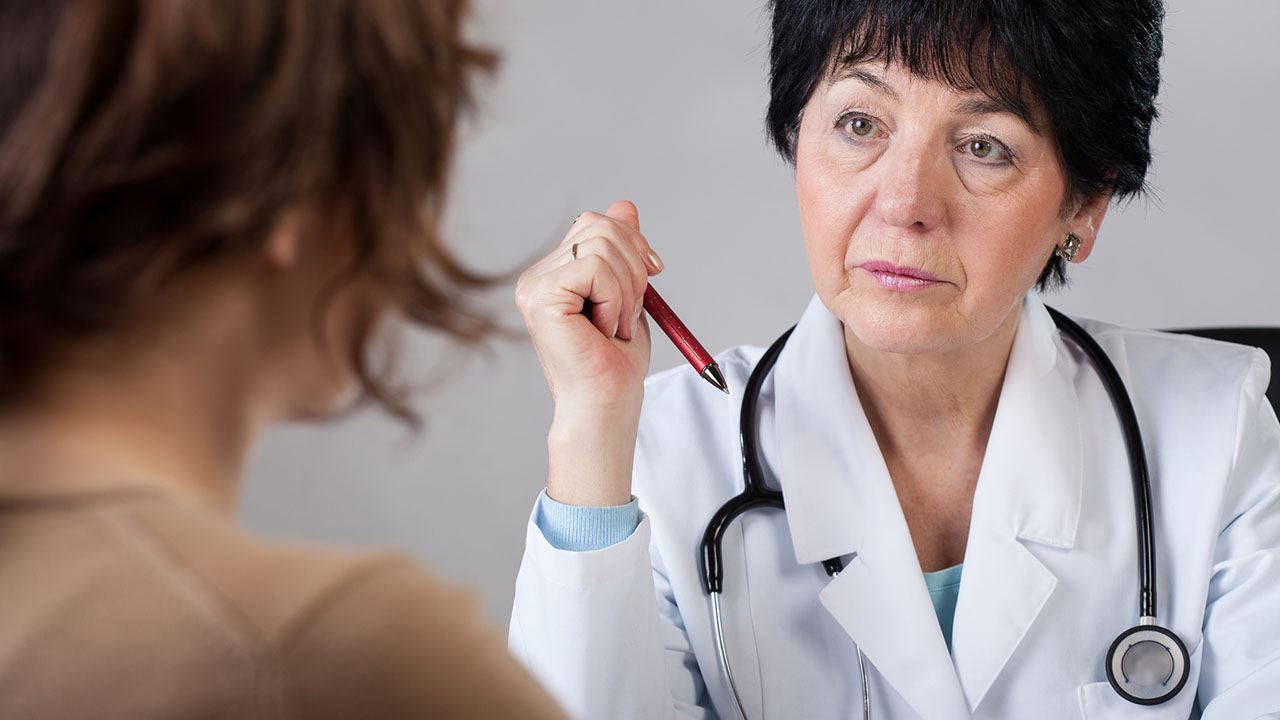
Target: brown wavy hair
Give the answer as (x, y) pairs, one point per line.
(141, 138)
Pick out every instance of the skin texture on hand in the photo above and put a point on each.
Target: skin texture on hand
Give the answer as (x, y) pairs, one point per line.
(594, 366)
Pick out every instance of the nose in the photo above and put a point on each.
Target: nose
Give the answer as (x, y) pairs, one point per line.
(910, 192)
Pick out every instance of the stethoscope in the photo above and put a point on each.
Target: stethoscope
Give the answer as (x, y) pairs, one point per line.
(1147, 664)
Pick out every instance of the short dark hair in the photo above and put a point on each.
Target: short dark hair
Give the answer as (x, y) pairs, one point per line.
(141, 138)
(1092, 69)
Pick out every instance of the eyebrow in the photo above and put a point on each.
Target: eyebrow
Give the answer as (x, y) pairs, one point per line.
(867, 78)
(981, 105)
(992, 106)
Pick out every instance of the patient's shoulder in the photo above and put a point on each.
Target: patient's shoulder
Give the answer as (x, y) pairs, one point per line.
(397, 642)
(348, 634)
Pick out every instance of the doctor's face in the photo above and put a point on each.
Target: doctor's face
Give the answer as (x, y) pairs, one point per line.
(928, 212)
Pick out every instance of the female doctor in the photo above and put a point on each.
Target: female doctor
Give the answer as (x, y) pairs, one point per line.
(967, 531)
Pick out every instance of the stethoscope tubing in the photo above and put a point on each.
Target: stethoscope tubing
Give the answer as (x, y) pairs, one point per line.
(754, 494)
(718, 625)
(1137, 458)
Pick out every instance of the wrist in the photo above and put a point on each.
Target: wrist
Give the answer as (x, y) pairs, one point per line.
(590, 457)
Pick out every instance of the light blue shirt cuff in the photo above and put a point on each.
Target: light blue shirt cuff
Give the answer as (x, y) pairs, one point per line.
(571, 527)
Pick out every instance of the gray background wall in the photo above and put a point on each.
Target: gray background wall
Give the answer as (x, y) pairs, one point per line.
(661, 102)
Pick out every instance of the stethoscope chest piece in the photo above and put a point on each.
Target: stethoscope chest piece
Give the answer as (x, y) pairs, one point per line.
(1148, 664)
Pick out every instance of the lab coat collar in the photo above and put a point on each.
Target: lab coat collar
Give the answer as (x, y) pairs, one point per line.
(1029, 491)
(830, 467)
(841, 501)
(1033, 466)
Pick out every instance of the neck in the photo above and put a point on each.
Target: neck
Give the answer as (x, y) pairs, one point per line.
(179, 416)
(931, 406)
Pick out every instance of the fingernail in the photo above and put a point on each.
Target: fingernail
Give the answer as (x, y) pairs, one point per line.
(655, 261)
(575, 220)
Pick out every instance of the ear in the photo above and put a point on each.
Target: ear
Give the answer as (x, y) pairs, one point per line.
(283, 246)
(1086, 221)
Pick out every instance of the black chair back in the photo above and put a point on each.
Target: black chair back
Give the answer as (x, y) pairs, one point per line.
(1260, 337)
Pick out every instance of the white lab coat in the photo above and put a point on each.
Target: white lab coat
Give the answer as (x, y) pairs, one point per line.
(1050, 568)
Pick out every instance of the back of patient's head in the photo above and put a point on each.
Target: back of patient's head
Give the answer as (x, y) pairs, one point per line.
(141, 140)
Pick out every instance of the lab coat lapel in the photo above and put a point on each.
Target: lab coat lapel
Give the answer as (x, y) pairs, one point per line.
(1028, 491)
(840, 500)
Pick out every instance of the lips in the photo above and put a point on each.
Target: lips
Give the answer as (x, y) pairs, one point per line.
(880, 267)
(897, 277)
(891, 269)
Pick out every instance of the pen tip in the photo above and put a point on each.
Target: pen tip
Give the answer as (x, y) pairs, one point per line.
(711, 373)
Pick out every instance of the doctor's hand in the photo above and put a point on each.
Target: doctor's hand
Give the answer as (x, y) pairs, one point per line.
(595, 366)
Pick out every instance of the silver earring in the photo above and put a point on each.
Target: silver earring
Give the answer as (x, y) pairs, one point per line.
(1067, 251)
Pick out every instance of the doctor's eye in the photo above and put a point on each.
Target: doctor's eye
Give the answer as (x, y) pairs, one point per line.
(987, 150)
(858, 126)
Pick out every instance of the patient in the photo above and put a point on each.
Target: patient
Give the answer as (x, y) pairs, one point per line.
(210, 211)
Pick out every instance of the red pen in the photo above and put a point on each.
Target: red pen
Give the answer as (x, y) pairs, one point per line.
(688, 345)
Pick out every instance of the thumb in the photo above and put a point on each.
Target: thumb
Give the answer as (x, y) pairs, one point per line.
(625, 211)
